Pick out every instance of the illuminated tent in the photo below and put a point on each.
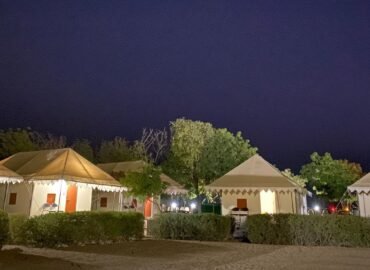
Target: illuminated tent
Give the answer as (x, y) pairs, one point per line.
(362, 189)
(117, 168)
(259, 186)
(61, 178)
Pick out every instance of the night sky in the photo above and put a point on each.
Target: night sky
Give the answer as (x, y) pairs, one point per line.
(293, 76)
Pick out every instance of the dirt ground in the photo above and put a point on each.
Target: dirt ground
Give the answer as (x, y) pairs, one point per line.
(155, 254)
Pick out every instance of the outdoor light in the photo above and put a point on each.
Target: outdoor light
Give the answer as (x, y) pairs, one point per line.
(193, 205)
(174, 205)
(316, 208)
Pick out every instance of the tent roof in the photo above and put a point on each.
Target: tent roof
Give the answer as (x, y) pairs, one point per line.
(137, 166)
(254, 173)
(363, 184)
(58, 164)
(8, 176)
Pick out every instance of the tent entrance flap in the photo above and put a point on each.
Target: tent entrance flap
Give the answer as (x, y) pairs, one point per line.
(71, 200)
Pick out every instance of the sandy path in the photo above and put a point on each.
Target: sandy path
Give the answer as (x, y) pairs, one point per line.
(154, 255)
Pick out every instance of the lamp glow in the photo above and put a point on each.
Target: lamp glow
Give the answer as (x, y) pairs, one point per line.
(316, 208)
(193, 205)
(173, 205)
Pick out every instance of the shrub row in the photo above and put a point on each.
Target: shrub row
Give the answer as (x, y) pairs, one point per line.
(190, 227)
(288, 229)
(4, 228)
(77, 228)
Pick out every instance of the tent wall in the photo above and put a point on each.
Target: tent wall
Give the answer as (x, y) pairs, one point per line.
(282, 202)
(229, 201)
(112, 200)
(364, 204)
(287, 202)
(40, 195)
(84, 197)
(23, 198)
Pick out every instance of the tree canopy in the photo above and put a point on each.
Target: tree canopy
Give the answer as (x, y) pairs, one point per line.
(119, 149)
(84, 148)
(16, 140)
(201, 152)
(328, 177)
(146, 183)
(222, 152)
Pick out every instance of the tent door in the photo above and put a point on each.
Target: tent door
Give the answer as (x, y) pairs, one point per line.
(148, 208)
(71, 199)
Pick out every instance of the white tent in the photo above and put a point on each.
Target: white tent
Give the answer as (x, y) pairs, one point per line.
(57, 180)
(362, 189)
(259, 186)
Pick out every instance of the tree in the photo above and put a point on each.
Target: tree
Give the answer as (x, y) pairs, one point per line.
(114, 151)
(145, 184)
(299, 180)
(222, 152)
(329, 178)
(16, 140)
(48, 140)
(83, 147)
(119, 150)
(155, 143)
(188, 141)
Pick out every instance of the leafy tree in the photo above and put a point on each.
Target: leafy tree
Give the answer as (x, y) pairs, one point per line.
(114, 151)
(83, 147)
(49, 141)
(119, 149)
(146, 183)
(222, 152)
(188, 141)
(329, 178)
(16, 140)
(295, 178)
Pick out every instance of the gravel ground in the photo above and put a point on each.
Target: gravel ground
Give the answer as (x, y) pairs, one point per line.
(155, 254)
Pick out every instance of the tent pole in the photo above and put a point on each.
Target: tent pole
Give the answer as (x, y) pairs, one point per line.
(114, 200)
(363, 200)
(31, 198)
(60, 194)
(291, 196)
(5, 195)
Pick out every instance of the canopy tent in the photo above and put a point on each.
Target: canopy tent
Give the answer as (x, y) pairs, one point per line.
(136, 166)
(261, 186)
(362, 188)
(362, 185)
(8, 176)
(50, 166)
(251, 175)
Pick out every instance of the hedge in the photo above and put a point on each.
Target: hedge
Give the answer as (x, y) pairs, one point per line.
(4, 228)
(190, 227)
(288, 229)
(57, 229)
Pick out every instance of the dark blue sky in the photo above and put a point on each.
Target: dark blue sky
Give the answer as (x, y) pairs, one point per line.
(293, 76)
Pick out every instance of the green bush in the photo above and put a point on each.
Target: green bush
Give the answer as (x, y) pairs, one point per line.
(82, 227)
(4, 228)
(330, 230)
(190, 227)
(15, 227)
